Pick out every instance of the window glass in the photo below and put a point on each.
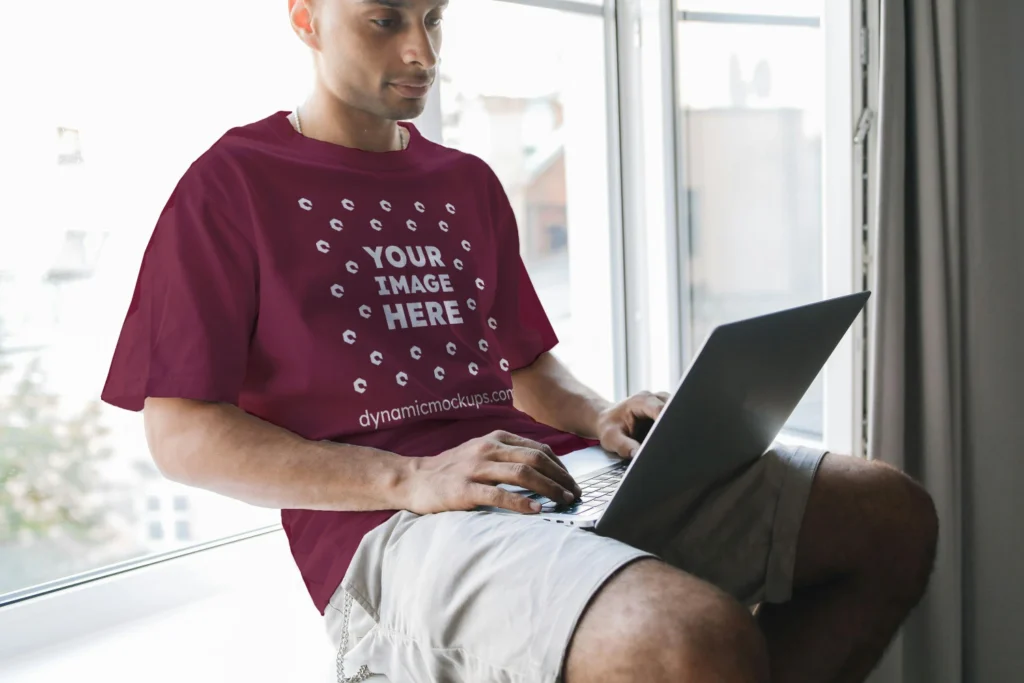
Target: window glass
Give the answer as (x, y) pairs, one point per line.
(751, 112)
(538, 117)
(93, 140)
(93, 136)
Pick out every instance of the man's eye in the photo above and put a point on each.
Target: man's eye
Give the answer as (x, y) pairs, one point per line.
(434, 23)
(384, 23)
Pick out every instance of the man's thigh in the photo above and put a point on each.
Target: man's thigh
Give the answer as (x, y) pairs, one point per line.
(469, 596)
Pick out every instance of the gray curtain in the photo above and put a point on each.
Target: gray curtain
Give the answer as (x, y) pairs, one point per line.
(948, 322)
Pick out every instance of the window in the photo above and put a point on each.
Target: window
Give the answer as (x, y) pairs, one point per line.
(752, 114)
(77, 478)
(87, 165)
(538, 116)
(69, 146)
(730, 199)
(737, 181)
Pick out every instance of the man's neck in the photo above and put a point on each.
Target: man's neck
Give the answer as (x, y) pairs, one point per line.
(327, 119)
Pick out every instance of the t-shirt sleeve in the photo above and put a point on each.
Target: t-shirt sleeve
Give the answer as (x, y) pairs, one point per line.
(523, 328)
(187, 331)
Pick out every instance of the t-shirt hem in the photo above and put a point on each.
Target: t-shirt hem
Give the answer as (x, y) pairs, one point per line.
(136, 401)
(524, 360)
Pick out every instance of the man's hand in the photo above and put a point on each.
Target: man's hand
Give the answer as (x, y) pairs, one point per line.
(465, 476)
(616, 425)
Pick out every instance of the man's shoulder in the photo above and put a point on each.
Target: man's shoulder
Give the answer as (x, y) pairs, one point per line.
(222, 166)
(445, 156)
(243, 140)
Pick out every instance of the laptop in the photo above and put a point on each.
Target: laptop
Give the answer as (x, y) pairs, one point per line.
(726, 412)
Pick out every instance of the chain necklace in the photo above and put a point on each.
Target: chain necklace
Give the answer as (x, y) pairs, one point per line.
(296, 122)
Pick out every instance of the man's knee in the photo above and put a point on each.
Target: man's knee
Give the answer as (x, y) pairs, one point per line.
(655, 623)
(913, 531)
(718, 641)
(868, 520)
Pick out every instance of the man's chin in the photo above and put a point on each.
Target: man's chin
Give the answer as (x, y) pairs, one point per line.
(406, 111)
(401, 108)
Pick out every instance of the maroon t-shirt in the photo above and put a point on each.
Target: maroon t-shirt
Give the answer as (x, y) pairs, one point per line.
(376, 299)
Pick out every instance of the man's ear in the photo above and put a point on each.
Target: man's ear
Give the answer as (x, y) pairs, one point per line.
(301, 21)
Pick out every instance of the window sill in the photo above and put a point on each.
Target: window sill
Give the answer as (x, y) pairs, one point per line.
(790, 439)
(204, 616)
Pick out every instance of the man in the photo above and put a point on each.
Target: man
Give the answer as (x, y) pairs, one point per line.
(332, 318)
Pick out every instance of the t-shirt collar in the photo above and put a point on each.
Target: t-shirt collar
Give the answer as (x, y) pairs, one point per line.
(350, 156)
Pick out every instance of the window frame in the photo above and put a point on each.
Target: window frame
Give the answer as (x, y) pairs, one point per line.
(83, 606)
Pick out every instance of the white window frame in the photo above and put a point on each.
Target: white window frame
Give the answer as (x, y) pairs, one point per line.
(850, 136)
(82, 606)
(842, 253)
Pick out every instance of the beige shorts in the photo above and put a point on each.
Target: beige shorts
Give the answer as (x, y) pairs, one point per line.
(485, 597)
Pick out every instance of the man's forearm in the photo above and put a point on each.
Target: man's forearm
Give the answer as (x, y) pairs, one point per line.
(549, 393)
(223, 449)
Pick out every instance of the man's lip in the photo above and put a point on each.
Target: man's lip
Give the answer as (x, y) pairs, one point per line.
(412, 90)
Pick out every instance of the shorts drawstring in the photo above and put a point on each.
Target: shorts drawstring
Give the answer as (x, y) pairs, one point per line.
(363, 672)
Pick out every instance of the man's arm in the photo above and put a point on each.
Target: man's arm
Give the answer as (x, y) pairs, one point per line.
(549, 393)
(221, 448)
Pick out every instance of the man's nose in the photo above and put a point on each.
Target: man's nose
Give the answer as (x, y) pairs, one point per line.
(419, 48)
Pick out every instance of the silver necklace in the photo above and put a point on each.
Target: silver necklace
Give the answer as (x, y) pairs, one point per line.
(296, 122)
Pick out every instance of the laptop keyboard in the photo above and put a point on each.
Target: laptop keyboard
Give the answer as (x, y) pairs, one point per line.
(597, 491)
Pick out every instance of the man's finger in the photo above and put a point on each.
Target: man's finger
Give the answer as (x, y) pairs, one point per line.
(664, 396)
(525, 477)
(522, 442)
(529, 456)
(623, 445)
(484, 494)
(651, 406)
